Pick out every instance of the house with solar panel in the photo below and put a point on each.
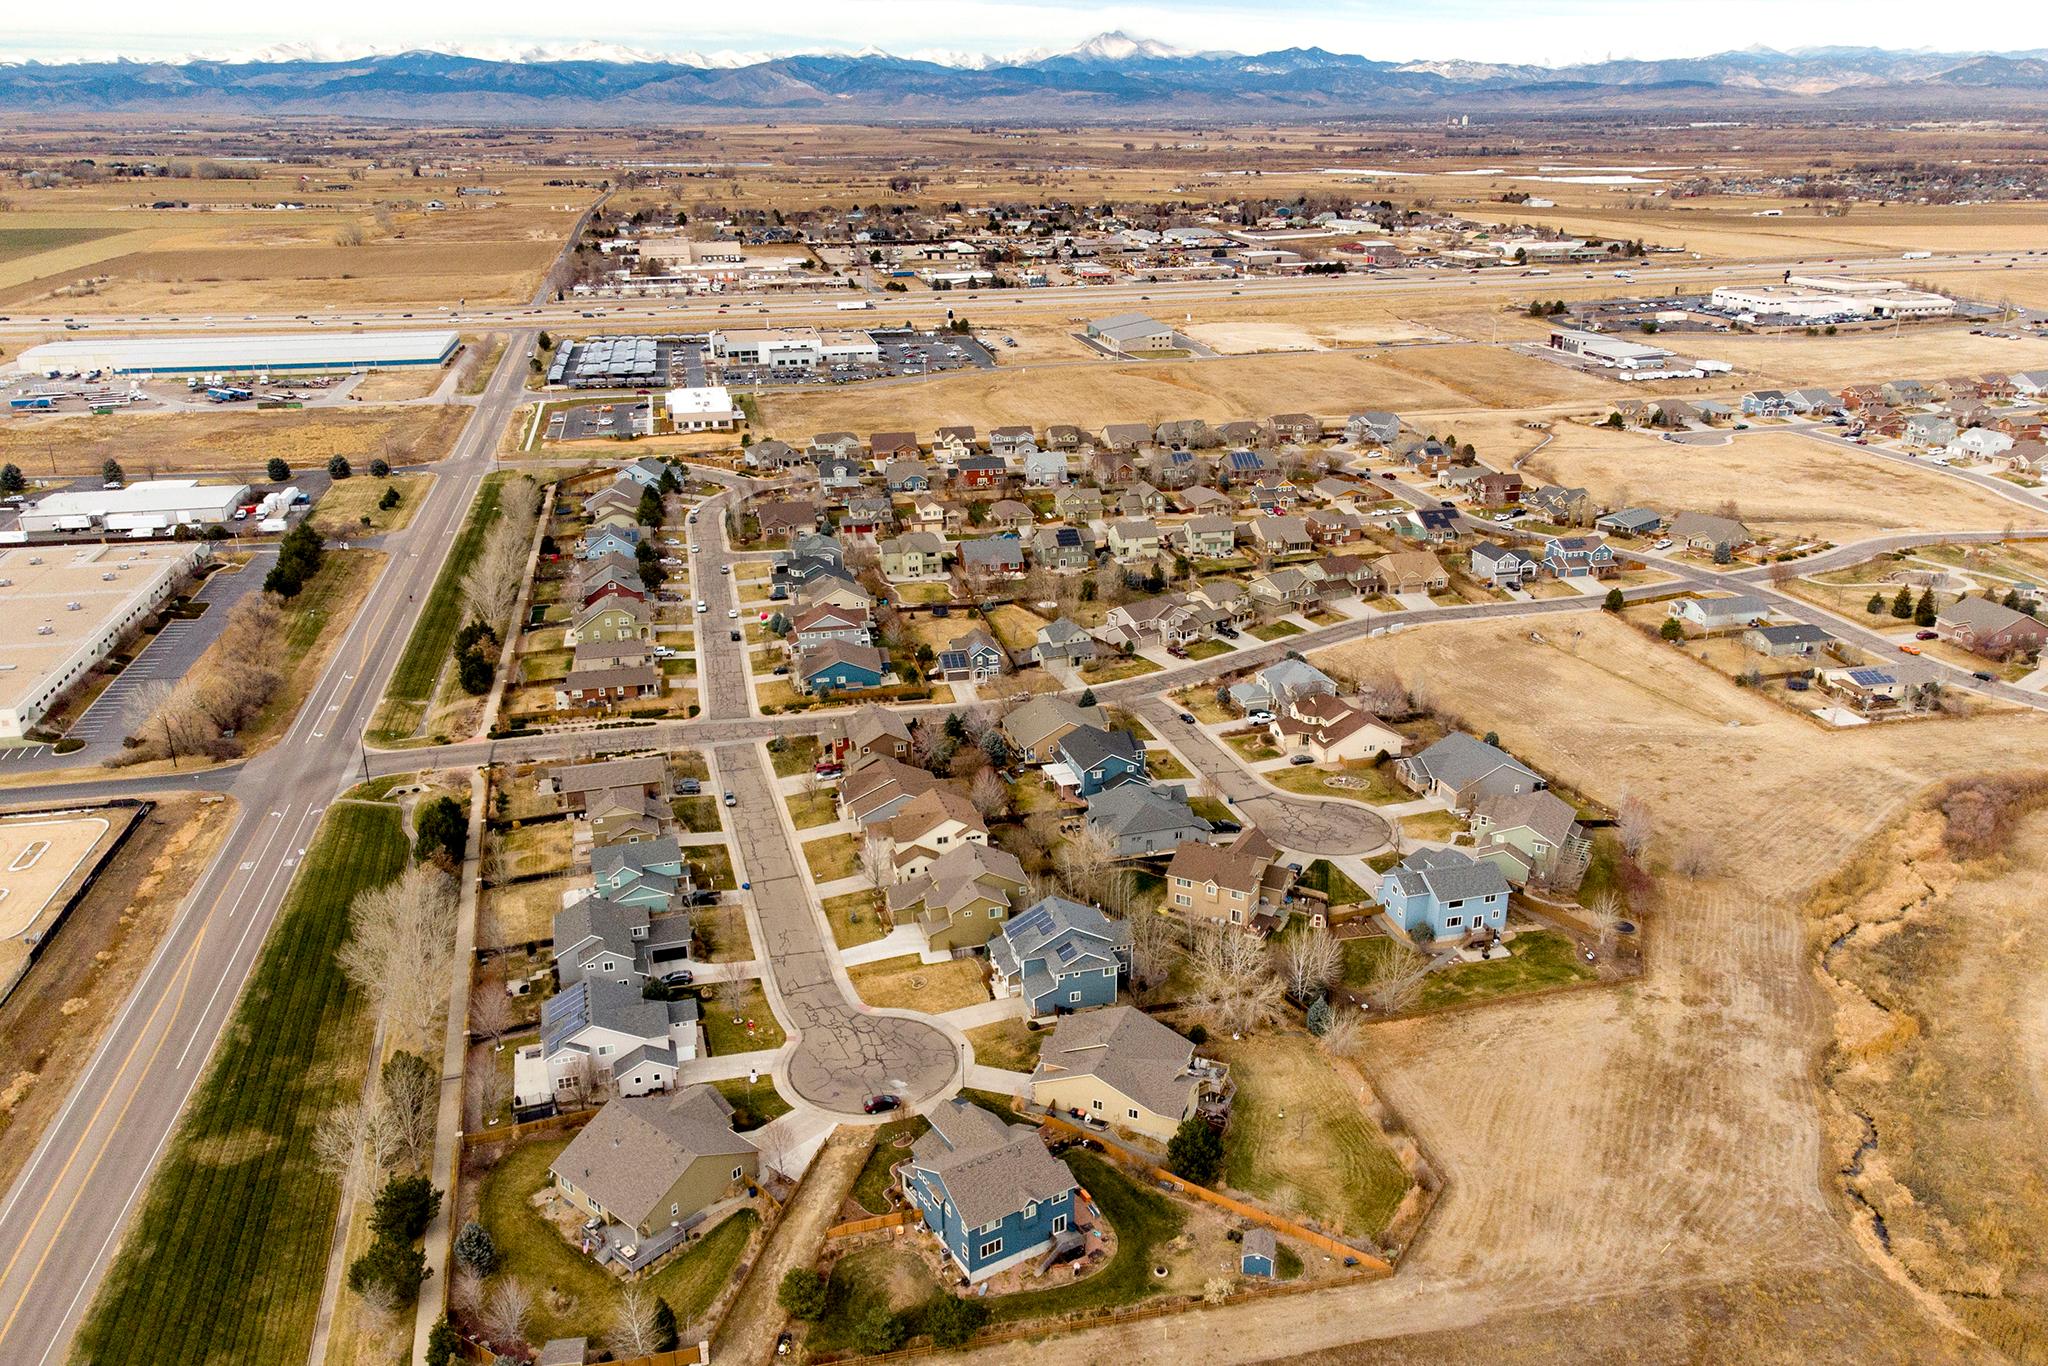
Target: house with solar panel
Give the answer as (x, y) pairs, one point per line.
(602, 1037)
(1447, 892)
(1241, 467)
(1063, 548)
(1866, 688)
(973, 657)
(988, 1190)
(1060, 955)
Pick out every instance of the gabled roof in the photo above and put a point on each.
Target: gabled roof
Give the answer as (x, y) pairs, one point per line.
(610, 773)
(1448, 875)
(1126, 1049)
(1046, 713)
(1548, 814)
(1458, 759)
(990, 1168)
(1085, 747)
(1135, 809)
(637, 1147)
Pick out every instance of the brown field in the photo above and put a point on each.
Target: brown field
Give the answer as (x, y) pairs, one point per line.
(151, 444)
(1782, 483)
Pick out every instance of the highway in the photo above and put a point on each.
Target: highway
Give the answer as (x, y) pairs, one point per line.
(60, 1222)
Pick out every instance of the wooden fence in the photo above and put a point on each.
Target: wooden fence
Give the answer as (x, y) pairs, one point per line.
(574, 1119)
(894, 1219)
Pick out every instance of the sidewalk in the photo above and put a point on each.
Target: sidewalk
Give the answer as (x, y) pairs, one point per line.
(904, 939)
(998, 1080)
(985, 1013)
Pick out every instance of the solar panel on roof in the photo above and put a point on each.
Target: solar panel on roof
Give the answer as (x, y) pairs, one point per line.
(1065, 953)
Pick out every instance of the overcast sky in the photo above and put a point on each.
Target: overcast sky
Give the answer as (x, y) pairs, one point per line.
(1549, 31)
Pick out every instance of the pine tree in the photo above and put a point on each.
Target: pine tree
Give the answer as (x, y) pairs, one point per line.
(1902, 605)
(1876, 605)
(1923, 610)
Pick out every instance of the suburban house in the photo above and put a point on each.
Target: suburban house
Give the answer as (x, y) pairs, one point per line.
(1411, 571)
(1780, 642)
(1504, 566)
(972, 657)
(1448, 892)
(624, 815)
(1134, 540)
(1372, 426)
(1139, 820)
(607, 684)
(1064, 436)
(886, 446)
(955, 443)
(1202, 499)
(988, 1190)
(818, 625)
(1061, 956)
(928, 513)
(1045, 469)
(867, 516)
(1327, 526)
(913, 555)
(1720, 614)
(1435, 525)
(651, 1168)
(1989, 629)
(611, 617)
(646, 873)
(1241, 883)
(1459, 771)
(1865, 688)
(1979, 443)
(837, 666)
(601, 1035)
(876, 789)
(1000, 556)
(1231, 600)
(1124, 437)
(1141, 499)
(927, 828)
(1287, 589)
(839, 443)
(1331, 730)
(1279, 685)
(1282, 535)
(595, 937)
(980, 472)
(1121, 1067)
(1929, 430)
(1010, 515)
(1035, 729)
(1078, 504)
(962, 898)
(1243, 432)
(579, 784)
(1063, 642)
(907, 476)
(1212, 537)
(1766, 403)
(1579, 557)
(1011, 442)
(1627, 522)
(1063, 548)
(871, 731)
(786, 517)
(1531, 835)
(1299, 428)
(1704, 531)
(1088, 758)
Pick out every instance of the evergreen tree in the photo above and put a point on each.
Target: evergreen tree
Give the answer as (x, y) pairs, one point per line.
(1196, 1151)
(1902, 605)
(338, 468)
(11, 480)
(1923, 610)
(443, 829)
(1876, 605)
(475, 1249)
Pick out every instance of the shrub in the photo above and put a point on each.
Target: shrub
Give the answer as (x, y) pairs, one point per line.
(110, 472)
(298, 559)
(802, 1294)
(951, 1321)
(380, 468)
(1671, 630)
(11, 480)
(665, 1335)
(1320, 1016)
(1613, 602)
(1198, 1035)
(442, 1343)
(1196, 1151)
(877, 1330)
(390, 499)
(476, 1249)
(1876, 605)
(338, 468)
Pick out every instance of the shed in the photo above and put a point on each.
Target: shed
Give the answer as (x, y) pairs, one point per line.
(1260, 1255)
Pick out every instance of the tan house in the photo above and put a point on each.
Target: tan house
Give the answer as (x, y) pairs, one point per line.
(962, 899)
(1411, 571)
(650, 1166)
(927, 828)
(1331, 730)
(1241, 883)
(1035, 729)
(1123, 1068)
(579, 784)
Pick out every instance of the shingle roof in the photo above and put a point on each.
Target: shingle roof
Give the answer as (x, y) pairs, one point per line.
(1134, 809)
(990, 1168)
(1127, 1050)
(637, 1147)
(1450, 874)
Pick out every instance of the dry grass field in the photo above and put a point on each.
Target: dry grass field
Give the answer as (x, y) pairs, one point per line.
(152, 444)
(1638, 1174)
(1782, 483)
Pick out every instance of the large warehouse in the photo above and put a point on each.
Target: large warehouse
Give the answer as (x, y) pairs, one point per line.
(233, 354)
(63, 607)
(142, 509)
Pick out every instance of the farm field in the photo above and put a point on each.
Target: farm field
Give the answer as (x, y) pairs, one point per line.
(150, 445)
(227, 1252)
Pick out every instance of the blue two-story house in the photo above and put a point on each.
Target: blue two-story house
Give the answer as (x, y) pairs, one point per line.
(1088, 758)
(1447, 890)
(1061, 955)
(988, 1190)
(612, 540)
(1578, 557)
(645, 873)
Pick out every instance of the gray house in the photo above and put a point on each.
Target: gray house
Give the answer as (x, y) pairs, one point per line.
(1139, 820)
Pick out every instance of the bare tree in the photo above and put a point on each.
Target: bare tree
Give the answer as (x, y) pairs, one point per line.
(506, 1307)
(876, 862)
(412, 1099)
(1345, 1036)
(1603, 915)
(1694, 859)
(354, 1144)
(491, 1090)
(490, 1013)
(1310, 961)
(400, 950)
(1155, 942)
(1633, 821)
(491, 585)
(1395, 977)
(732, 996)
(1086, 862)
(466, 1292)
(634, 1332)
(990, 794)
(1235, 988)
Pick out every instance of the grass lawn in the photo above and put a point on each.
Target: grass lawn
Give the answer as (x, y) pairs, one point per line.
(226, 1258)
(1210, 809)
(1432, 825)
(1008, 1044)
(340, 512)
(724, 1034)
(1254, 745)
(725, 925)
(833, 857)
(698, 815)
(1142, 1220)
(574, 1296)
(712, 865)
(1202, 704)
(853, 918)
(1276, 630)
(433, 638)
(907, 984)
(1299, 1140)
(1111, 670)
(810, 809)
(1162, 763)
(892, 1145)
(1333, 882)
(921, 592)
(793, 755)
(896, 1276)
(543, 848)
(1603, 868)
(1209, 649)
(1363, 782)
(753, 1103)
(1362, 956)
(1538, 958)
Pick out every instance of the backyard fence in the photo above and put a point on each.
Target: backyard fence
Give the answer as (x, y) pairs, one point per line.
(894, 1219)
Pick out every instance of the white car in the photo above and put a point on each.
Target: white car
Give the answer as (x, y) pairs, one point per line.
(1664, 544)
(725, 569)
(703, 606)
(733, 613)
(1259, 718)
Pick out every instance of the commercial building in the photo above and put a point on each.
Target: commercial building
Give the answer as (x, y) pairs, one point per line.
(152, 507)
(794, 348)
(296, 353)
(609, 363)
(62, 608)
(1826, 299)
(1129, 332)
(1612, 352)
(708, 409)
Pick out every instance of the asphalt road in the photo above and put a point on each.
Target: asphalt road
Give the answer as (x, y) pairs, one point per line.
(60, 1222)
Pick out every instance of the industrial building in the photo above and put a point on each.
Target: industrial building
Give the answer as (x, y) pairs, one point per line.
(151, 508)
(1830, 299)
(232, 354)
(794, 348)
(706, 409)
(1631, 360)
(1129, 332)
(62, 608)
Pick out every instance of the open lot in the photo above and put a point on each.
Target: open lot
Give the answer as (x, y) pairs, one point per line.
(153, 444)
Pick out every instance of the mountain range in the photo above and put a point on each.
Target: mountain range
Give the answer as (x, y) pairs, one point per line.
(1112, 76)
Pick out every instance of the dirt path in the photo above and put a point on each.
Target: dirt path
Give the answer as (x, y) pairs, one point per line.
(748, 1331)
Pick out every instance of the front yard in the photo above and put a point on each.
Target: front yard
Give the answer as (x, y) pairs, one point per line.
(908, 984)
(793, 755)
(745, 1025)
(854, 918)
(1355, 781)
(832, 858)
(1009, 1044)
(808, 809)
(1112, 670)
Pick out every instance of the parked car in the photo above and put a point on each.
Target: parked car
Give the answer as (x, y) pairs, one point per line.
(1187, 718)
(681, 977)
(1299, 759)
(1982, 675)
(1260, 717)
(703, 606)
(689, 787)
(881, 1104)
(734, 636)
(1923, 635)
(1909, 649)
(731, 800)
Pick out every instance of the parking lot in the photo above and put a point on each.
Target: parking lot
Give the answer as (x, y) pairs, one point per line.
(903, 354)
(595, 421)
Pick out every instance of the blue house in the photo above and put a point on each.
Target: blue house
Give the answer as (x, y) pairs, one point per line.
(613, 540)
(839, 666)
(644, 873)
(988, 1189)
(1089, 758)
(1578, 557)
(1447, 890)
(1061, 955)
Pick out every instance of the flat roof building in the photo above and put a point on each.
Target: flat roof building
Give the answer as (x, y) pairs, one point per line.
(800, 348)
(151, 507)
(1604, 350)
(62, 608)
(707, 409)
(242, 354)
